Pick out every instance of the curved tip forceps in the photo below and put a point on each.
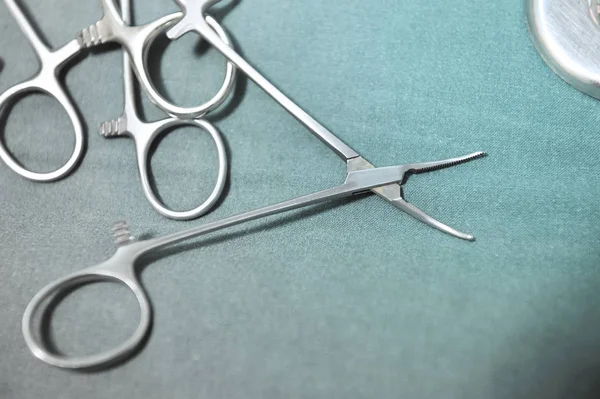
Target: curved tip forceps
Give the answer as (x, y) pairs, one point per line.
(121, 267)
(135, 40)
(361, 177)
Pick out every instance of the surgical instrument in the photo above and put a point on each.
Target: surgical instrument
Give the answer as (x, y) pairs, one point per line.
(135, 40)
(361, 177)
(121, 268)
(144, 134)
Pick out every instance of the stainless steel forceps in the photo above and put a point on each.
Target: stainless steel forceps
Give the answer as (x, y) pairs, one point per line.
(121, 268)
(361, 177)
(145, 133)
(135, 40)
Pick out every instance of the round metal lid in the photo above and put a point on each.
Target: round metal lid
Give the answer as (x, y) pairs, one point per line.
(566, 33)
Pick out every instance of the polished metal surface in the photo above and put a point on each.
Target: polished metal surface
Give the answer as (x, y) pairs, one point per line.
(567, 36)
(121, 267)
(135, 40)
(45, 81)
(361, 177)
(143, 133)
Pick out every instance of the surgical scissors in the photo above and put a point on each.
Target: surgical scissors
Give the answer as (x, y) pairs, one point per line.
(135, 40)
(144, 134)
(121, 267)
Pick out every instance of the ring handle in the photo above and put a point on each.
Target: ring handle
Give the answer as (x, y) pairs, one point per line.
(53, 89)
(143, 148)
(104, 272)
(139, 62)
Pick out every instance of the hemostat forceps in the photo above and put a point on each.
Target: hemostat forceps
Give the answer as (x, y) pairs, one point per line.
(135, 40)
(121, 267)
(144, 134)
(361, 177)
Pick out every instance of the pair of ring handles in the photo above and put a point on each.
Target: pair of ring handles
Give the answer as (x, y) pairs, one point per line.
(136, 42)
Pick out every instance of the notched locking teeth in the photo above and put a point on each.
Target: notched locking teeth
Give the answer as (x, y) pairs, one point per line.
(114, 127)
(437, 165)
(122, 233)
(91, 36)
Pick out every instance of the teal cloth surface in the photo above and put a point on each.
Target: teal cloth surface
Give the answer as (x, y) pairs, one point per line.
(352, 299)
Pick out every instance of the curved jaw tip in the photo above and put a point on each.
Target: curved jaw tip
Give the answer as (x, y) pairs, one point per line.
(418, 214)
(467, 237)
(453, 232)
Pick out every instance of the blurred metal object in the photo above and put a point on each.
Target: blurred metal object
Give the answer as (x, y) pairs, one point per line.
(566, 33)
